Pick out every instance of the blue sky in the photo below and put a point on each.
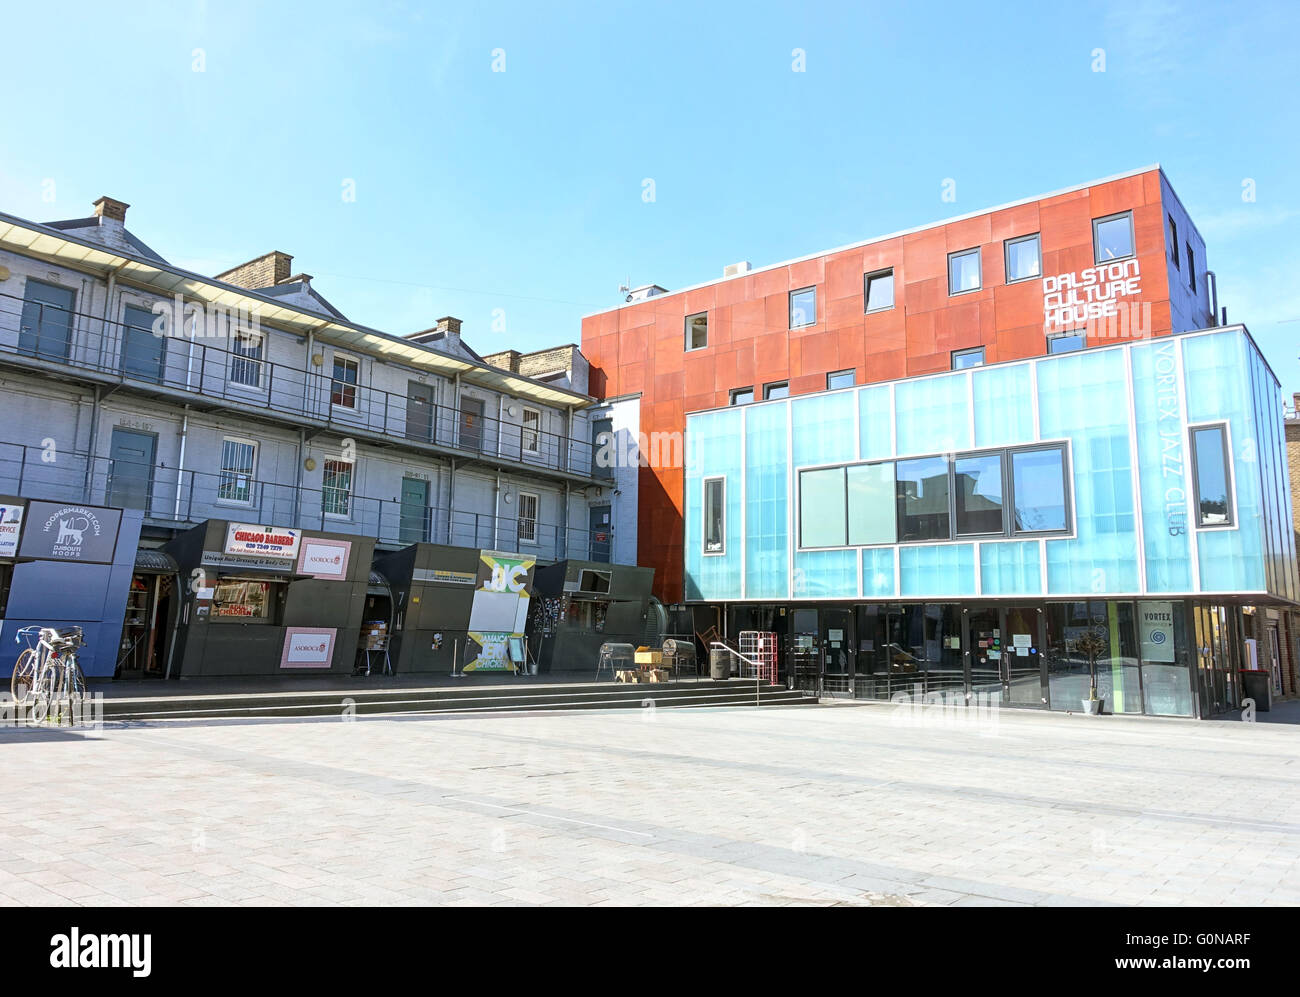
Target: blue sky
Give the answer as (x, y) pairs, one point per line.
(522, 190)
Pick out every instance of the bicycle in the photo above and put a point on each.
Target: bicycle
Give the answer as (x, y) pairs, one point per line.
(48, 673)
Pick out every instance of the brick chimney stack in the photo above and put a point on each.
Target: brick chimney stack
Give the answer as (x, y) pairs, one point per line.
(450, 328)
(111, 210)
(265, 271)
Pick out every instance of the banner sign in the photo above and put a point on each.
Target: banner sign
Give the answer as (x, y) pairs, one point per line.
(70, 533)
(444, 577)
(11, 524)
(216, 559)
(499, 611)
(266, 541)
(1156, 630)
(308, 647)
(324, 558)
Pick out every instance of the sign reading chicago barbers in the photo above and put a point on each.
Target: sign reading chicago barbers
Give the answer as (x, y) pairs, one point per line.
(1071, 300)
(263, 541)
(83, 533)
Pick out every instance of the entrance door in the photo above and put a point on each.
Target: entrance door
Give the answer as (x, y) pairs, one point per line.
(837, 644)
(414, 523)
(130, 476)
(1004, 655)
(599, 536)
(419, 411)
(471, 424)
(143, 353)
(45, 329)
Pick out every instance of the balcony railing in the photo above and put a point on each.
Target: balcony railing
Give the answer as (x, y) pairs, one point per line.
(181, 499)
(235, 371)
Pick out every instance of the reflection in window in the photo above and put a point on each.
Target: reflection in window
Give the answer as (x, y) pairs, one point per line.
(1112, 238)
(1066, 342)
(237, 598)
(1210, 450)
(343, 390)
(803, 307)
(821, 508)
(697, 331)
(840, 379)
(779, 389)
(1023, 258)
(964, 271)
(879, 290)
(742, 396)
(922, 495)
(978, 484)
(336, 488)
(1038, 484)
(871, 504)
(962, 359)
(715, 533)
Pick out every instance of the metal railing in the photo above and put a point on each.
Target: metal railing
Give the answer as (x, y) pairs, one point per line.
(221, 368)
(184, 498)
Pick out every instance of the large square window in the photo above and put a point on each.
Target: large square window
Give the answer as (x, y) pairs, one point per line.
(697, 331)
(821, 508)
(1038, 490)
(878, 291)
(964, 271)
(922, 495)
(1213, 495)
(1112, 237)
(871, 504)
(803, 308)
(978, 488)
(1024, 258)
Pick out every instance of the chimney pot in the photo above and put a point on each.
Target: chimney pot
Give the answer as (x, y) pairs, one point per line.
(112, 209)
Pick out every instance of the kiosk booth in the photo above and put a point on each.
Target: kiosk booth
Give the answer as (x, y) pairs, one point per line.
(581, 605)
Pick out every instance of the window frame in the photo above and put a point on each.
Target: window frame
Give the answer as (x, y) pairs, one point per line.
(1067, 481)
(867, 278)
(251, 363)
(979, 266)
(222, 471)
(1004, 467)
(686, 332)
(1096, 244)
(351, 490)
(721, 480)
(810, 289)
(844, 482)
(1230, 484)
(731, 396)
(952, 357)
(520, 518)
(1173, 242)
(1037, 238)
(355, 385)
(767, 388)
(851, 371)
(1191, 268)
(536, 449)
(1066, 334)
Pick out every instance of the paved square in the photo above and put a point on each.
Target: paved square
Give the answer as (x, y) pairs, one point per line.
(839, 804)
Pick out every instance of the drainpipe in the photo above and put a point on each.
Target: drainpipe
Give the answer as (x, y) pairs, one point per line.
(501, 418)
(307, 373)
(180, 465)
(91, 444)
(297, 490)
(496, 509)
(1213, 282)
(451, 496)
(103, 319)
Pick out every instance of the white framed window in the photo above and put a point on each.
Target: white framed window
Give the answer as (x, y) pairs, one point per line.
(238, 469)
(343, 387)
(526, 520)
(246, 359)
(697, 331)
(715, 515)
(531, 431)
(336, 488)
(803, 307)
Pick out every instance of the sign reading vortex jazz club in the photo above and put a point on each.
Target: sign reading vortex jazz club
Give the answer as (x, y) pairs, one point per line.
(308, 647)
(322, 558)
(83, 533)
(499, 611)
(264, 541)
(1071, 300)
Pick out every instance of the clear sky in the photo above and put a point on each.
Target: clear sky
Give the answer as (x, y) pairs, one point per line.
(234, 128)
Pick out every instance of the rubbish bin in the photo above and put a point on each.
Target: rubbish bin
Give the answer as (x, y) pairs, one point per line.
(719, 663)
(1257, 684)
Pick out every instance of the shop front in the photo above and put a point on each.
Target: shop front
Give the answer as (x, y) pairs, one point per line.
(267, 600)
(581, 605)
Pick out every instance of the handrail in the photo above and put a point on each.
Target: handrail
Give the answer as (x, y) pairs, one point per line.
(758, 674)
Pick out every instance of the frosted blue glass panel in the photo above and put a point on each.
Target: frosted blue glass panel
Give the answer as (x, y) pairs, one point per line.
(1004, 405)
(1010, 569)
(877, 431)
(1083, 397)
(826, 574)
(878, 572)
(711, 451)
(1163, 468)
(938, 569)
(824, 428)
(933, 414)
(766, 499)
(1217, 374)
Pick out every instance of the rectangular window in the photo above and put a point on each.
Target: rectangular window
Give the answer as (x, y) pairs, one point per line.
(803, 308)
(922, 493)
(840, 379)
(964, 271)
(742, 396)
(978, 489)
(777, 389)
(1210, 458)
(961, 359)
(246, 359)
(531, 431)
(1024, 258)
(1191, 267)
(343, 390)
(1173, 241)
(821, 508)
(1112, 237)
(527, 518)
(1038, 490)
(1066, 342)
(697, 331)
(238, 460)
(245, 600)
(715, 515)
(871, 493)
(336, 488)
(878, 291)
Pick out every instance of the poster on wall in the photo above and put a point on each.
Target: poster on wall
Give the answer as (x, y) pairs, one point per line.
(499, 610)
(264, 541)
(11, 524)
(308, 647)
(324, 558)
(83, 533)
(1156, 629)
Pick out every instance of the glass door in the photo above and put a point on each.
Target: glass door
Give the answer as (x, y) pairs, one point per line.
(837, 642)
(1003, 656)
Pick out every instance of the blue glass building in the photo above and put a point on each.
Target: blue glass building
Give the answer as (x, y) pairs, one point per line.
(984, 533)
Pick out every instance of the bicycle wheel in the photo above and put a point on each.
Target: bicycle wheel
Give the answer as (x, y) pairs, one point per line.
(23, 680)
(74, 691)
(44, 692)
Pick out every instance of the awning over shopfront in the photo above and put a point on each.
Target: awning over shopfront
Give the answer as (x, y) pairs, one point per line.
(155, 562)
